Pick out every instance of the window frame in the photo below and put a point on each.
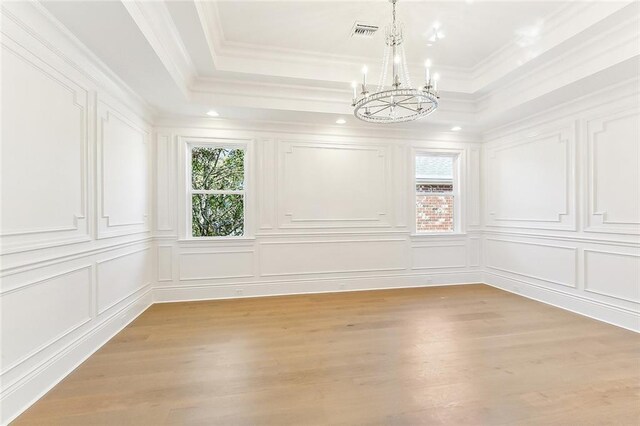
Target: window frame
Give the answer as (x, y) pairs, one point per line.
(458, 201)
(189, 191)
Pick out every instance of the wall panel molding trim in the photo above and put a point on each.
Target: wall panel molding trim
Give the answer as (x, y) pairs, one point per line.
(540, 260)
(68, 127)
(123, 169)
(613, 162)
(84, 318)
(317, 181)
(545, 196)
(114, 285)
(319, 257)
(215, 265)
(615, 279)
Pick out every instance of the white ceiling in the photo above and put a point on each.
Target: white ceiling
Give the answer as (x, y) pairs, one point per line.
(293, 60)
(473, 31)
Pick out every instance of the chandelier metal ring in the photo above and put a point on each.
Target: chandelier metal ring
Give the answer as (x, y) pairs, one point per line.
(396, 106)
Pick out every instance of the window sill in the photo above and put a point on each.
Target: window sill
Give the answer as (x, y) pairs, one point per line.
(438, 234)
(216, 240)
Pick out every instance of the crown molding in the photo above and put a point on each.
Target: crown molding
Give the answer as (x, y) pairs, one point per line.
(616, 44)
(556, 28)
(157, 26)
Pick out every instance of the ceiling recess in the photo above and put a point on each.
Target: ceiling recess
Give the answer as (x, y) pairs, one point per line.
(363, 30)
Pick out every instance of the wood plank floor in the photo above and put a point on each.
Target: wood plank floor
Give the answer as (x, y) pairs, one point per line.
(462, 355)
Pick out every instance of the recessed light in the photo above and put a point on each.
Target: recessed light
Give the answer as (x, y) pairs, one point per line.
(456, 128)
(212, 113)
(341, 121)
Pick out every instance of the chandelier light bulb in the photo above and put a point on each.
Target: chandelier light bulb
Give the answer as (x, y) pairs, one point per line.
(396, 59)
(427, 63)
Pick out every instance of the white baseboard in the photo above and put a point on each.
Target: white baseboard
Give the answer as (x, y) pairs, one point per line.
(22, 394)
(574, 303)
(184, 292)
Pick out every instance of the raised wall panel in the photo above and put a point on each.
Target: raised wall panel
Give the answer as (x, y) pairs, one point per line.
(554, 264)
(333, 185)
(612, 274)
(265, 184)
(325, 257)
(123, 158)
(439, 256)
(44, 148)
(121, 276)
(475, 251)
(472, 189)
(531, 181)
(165, 263)
(37, 314)
(165, 184)
(208, 265)
(613, 181)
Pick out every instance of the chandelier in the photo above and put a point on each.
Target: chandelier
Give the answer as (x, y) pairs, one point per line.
(399, 102)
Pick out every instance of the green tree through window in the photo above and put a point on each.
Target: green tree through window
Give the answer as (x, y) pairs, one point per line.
(217, 191)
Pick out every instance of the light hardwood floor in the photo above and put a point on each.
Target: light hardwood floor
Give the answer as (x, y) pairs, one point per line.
(461, 355)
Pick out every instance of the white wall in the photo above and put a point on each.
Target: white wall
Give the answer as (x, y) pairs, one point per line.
(332, 209)
(76, 196)
(562, 206)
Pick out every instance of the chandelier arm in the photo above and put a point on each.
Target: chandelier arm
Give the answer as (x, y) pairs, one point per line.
(380, 110)
(407, 108)
(382, 101)
(408, 98)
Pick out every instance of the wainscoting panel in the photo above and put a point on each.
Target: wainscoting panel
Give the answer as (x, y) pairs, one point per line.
(218, 264)
(327, 257)
(165, 263)
(613, 274)
(121, 276)
(546, 262)
(39, 313)
(439, 256)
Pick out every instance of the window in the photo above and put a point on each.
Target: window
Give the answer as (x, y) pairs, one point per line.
(217, 191)
(436, 193)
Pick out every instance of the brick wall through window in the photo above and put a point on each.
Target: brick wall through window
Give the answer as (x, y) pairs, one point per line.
(435, 197)
(434, 213)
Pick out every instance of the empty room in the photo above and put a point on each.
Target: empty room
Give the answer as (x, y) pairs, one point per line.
(313, 212)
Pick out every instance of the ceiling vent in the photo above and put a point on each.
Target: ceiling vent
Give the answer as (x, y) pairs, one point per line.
(363, 30)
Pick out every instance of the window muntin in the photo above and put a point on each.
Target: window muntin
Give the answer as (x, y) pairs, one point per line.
(217, 191)
(435, 193)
